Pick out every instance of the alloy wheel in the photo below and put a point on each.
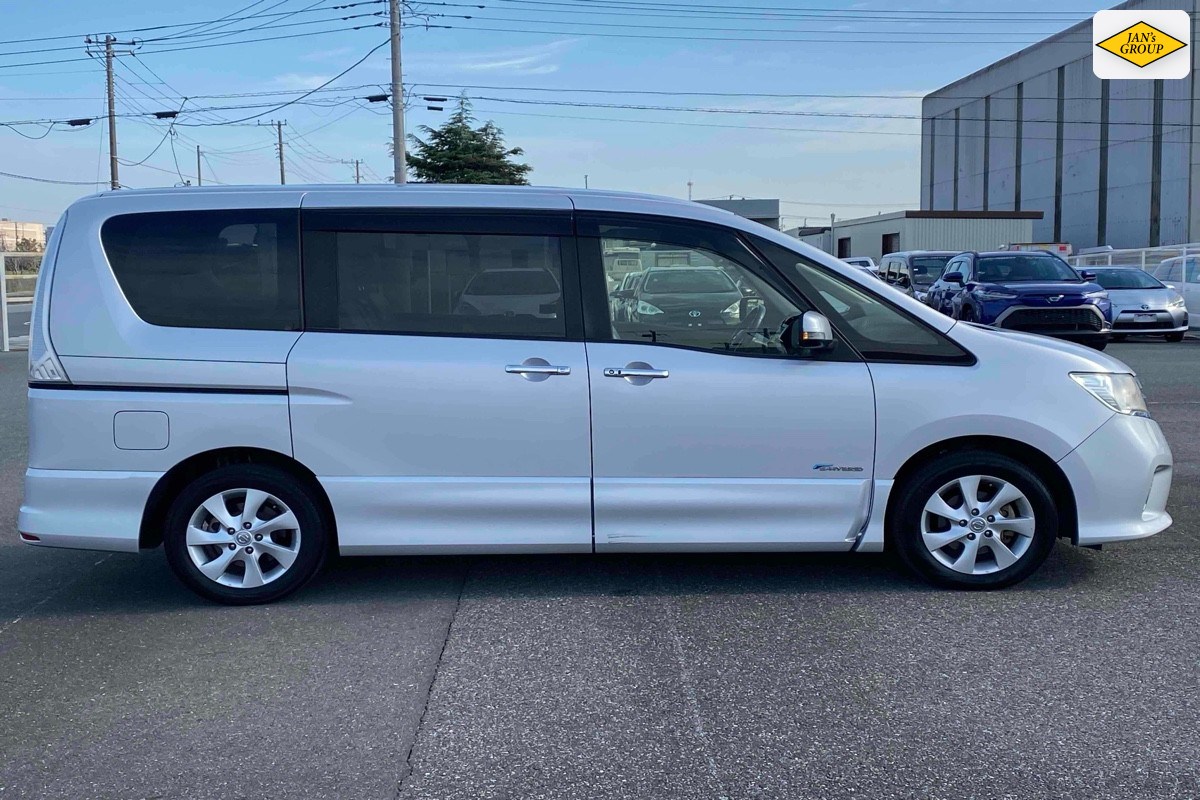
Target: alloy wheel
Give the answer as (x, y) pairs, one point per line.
(978, 524)
(243, 538)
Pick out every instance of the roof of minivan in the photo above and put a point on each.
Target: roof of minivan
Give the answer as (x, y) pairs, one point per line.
(466, 189)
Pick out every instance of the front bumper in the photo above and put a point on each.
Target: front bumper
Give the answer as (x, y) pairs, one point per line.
(1121, 476)
(1165, 321)
(87, 510)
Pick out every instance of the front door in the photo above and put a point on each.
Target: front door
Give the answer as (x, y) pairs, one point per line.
(706, 435)
(440, 391)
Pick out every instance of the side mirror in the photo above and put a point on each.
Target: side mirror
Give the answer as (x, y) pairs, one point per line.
(1087, 275)
(808, 334)
(953, 277)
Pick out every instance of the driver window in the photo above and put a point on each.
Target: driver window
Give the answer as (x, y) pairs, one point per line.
(691, 297)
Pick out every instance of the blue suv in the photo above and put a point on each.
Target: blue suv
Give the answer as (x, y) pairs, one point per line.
(1032, 292)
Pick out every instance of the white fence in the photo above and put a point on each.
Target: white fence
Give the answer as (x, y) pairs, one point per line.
(16, 289)
(1146, 257)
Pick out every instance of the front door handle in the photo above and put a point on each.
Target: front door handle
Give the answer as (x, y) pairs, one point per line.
(635, 372)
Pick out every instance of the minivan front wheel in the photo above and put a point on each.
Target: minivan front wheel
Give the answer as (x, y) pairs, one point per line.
(974, 520)
(245, 534)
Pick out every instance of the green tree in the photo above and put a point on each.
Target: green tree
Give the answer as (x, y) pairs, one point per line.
(458, 152)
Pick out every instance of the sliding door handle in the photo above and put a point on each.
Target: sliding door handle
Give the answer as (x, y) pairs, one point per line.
(536, 369)
(635, 372)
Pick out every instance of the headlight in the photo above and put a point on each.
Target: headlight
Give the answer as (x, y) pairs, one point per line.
(1175, 302)
(734, 312)
(1097, 295)
(993, 294)
(646, 309)
(1119, 391)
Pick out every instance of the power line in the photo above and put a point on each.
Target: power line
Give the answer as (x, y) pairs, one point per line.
(50, 180)
(785, 9)
(369, 53)
(185, 24)
(886, 40)
(959, 36)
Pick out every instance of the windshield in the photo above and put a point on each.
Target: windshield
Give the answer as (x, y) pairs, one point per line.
(689, 281)
(1126, 279)
(1023, 268)
(927, 269)
(513, 282)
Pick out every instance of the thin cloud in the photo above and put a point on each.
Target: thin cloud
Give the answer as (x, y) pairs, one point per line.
(540, 59)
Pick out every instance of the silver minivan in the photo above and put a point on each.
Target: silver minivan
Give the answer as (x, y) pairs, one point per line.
(254, 378)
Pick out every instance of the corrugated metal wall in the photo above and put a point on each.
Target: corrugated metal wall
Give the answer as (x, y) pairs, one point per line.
(1044, 109)
(965, 234)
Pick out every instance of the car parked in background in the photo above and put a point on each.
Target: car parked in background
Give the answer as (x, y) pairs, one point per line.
(915, 271)
(686, 297)
(618, 299)
(863, 262)
(1033, 292)
(512, 292)
(1142, 304)
(1183, 275)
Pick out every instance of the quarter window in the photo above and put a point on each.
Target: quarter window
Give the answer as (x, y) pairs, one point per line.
(208, 269)
(878, 330)
(435, 283)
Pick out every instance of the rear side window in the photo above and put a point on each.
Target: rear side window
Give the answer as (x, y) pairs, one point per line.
(208, 269)
(455, 284)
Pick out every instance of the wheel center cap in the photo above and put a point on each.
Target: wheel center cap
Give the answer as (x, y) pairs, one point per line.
(243, 538)
(978, 525)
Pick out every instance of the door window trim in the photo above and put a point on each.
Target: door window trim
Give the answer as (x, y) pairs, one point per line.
(319, 285)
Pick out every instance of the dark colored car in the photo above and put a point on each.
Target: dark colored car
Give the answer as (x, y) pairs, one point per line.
(685, 297)
(1032, 292)
(913, 272)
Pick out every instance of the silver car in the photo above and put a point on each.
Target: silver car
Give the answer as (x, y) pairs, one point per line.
(1142, 304)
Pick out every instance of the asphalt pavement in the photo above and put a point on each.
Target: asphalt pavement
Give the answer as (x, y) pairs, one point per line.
(772, 676)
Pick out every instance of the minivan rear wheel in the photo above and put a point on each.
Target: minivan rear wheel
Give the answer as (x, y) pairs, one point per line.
(974, 520)
(245, 534)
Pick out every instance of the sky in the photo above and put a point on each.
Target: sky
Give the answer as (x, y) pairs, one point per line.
(814, 102)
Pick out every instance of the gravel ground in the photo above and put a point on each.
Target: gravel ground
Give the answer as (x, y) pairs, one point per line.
(794, 676)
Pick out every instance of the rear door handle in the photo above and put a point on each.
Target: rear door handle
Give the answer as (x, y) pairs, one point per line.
(536, 369)
(635, 372)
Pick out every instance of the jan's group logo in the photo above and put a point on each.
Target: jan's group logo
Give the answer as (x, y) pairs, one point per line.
(1141, 45)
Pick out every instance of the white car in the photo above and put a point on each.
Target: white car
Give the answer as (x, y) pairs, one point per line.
(864, 263)
(200, 381)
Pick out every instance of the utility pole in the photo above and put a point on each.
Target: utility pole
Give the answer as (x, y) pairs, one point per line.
(585, 181)
(399, 157)
(356, 174)
(689, 190)
(113, 180)
(279, 132)
(199, 177)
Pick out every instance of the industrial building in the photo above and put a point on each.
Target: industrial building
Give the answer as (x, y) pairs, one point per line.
(921, 230)
(1106, 162)
(13, 232)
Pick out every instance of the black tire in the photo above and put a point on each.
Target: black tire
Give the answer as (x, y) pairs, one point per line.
(904, 521)
(314, 542)
(1098, 345)
(966, 314)
(1175, 337)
